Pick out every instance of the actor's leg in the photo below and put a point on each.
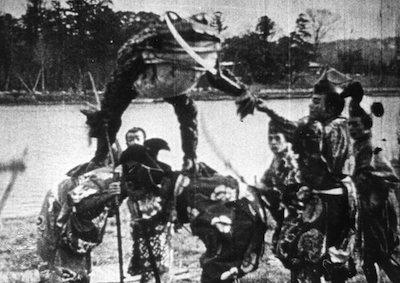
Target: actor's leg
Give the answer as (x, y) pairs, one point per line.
(337, 221)
(370, 272)
(279, 215)
(46, 237)
(391, 269)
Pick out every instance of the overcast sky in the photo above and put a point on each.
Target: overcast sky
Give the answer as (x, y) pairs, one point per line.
(358, 18)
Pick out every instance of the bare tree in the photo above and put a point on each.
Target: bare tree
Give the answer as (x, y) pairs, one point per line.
(218, 22)
(320, 23)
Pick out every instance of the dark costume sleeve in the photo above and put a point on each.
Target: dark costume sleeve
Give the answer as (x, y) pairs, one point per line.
(336, 146)
(268, 176)
(186, 111)
(378, 221)
(363, 157)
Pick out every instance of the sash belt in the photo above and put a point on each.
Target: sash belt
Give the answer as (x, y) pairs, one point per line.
(333, 192)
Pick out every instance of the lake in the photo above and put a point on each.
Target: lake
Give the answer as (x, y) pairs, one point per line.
(56, 138)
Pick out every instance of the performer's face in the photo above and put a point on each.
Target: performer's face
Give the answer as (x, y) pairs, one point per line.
(134, 138)
(277, 142)
(317, 107)
(356, 127)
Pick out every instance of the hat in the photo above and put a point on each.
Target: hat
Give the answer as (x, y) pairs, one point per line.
(337, 77)
(329, 82)
(156, 144)
(355, 110)
(356, 92)
(137, 153)
(353, 90)
(274, 127)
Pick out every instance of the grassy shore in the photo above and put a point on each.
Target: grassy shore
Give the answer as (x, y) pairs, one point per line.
(18, 258)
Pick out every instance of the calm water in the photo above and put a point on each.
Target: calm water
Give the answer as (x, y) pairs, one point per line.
(57, 141)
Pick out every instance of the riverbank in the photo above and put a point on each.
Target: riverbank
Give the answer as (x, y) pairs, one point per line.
(19, 261)
(18, 97)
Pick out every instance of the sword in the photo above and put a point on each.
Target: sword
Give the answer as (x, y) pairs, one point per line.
(185, 46)
(218, 152)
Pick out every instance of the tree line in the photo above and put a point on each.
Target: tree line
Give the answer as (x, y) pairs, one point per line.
(53, 46)
(262, 58)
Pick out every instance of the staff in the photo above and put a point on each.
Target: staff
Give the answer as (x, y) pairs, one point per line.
(116, 177)
(16, 167)
(117, 216)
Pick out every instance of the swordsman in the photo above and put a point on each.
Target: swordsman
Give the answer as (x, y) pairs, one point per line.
(323, 145)
(375, 182)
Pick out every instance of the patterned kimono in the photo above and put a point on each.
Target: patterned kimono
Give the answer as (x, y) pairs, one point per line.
(229, 218)
(150, 212)
(324, 152)
(375, 181)
(282, 180)
(71, 223)
(326, 221)
(283, 170)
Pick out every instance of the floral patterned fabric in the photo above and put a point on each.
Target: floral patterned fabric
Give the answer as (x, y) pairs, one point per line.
(323, 150)
(283, 171)
(229, 219)
(281, 181)
(375, 184)
(148, 232)
(71, 223)
(149, 218)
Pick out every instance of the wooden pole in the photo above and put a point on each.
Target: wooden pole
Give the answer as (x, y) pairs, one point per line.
(117, 215)
(96, 94)
(43, 85)
(23, 83)
(119, 241)
(37, 80)
(11, 183)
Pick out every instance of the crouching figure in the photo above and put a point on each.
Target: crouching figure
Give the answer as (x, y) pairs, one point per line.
(228, 217)
(72, 222)
(229, 221)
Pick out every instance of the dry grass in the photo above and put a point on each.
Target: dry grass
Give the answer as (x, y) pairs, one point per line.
(18, 259)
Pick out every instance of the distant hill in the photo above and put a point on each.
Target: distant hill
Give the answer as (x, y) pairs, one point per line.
(372, 49)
